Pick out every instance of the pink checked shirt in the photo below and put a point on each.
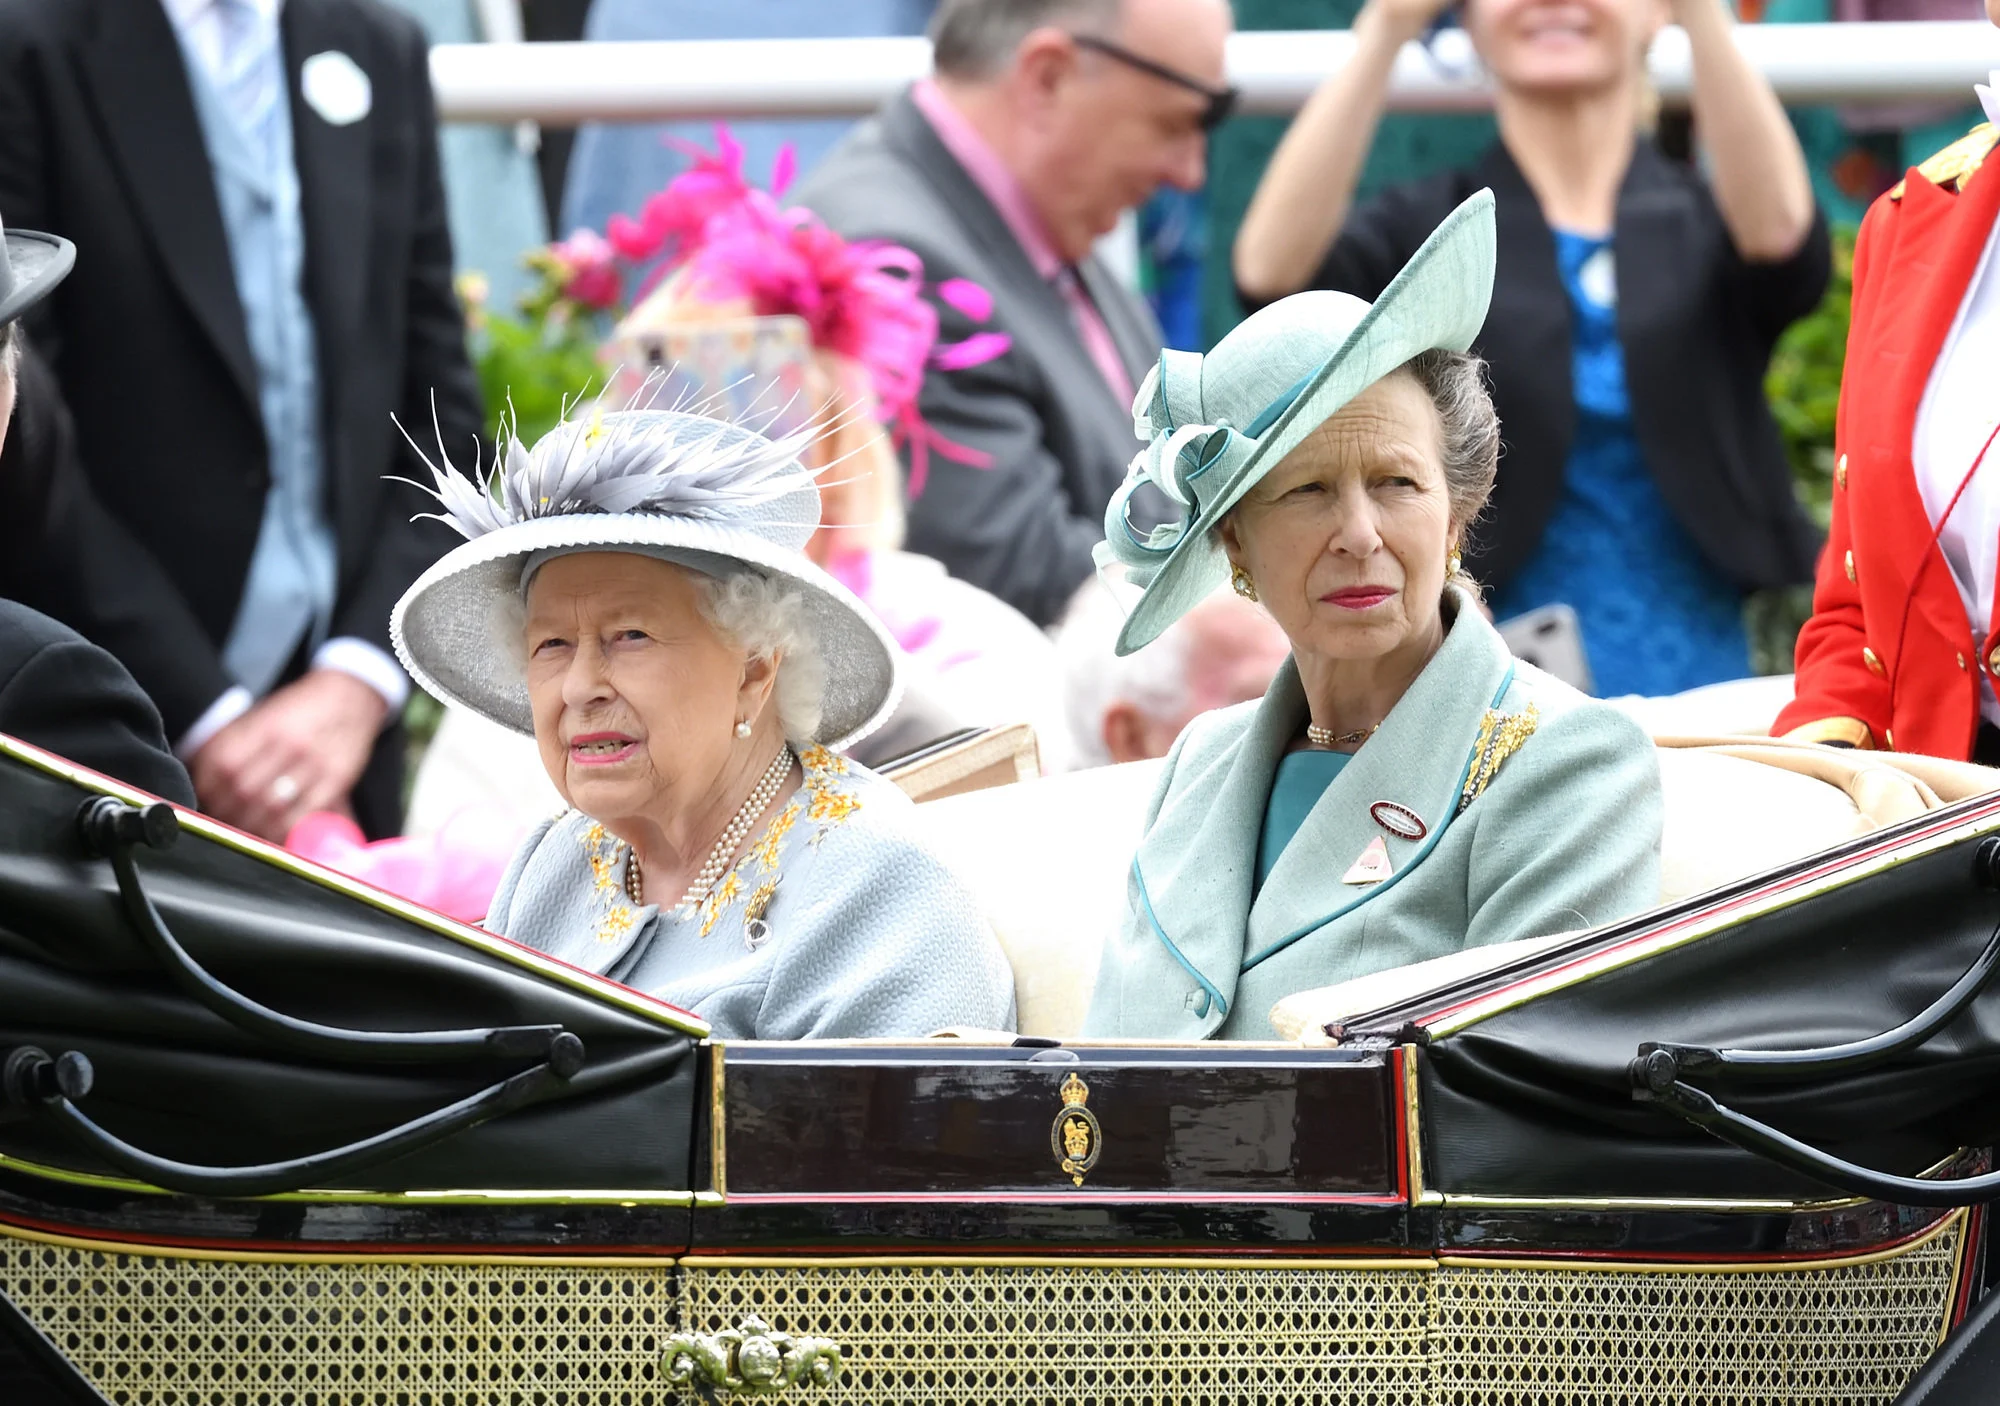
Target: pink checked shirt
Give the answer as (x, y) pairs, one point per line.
(999, 185)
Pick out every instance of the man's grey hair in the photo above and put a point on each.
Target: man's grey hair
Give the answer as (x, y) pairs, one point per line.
(761, 615)
(1153, 680)
(976, 39)
(10, 351)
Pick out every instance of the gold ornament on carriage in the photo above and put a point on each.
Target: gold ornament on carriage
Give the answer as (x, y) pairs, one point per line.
(1075, 1137)
(751, 1359)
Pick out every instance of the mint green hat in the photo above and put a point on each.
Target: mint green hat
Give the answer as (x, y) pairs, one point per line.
(1216, 424)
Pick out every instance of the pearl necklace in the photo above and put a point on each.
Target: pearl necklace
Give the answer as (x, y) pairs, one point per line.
(1327, 737)
(725, 848)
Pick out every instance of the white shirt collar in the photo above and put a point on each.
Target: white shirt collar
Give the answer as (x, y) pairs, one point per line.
(1989, 96)
(183, 13)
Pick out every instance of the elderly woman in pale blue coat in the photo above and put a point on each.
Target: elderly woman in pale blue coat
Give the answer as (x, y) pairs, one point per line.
(1406, 789)
(635, 596)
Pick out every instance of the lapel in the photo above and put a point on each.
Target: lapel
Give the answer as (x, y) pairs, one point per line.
(1417, 759)
(1939, 237)
(1198, 858)
(134, 72)
(334, 189)
(906, 130)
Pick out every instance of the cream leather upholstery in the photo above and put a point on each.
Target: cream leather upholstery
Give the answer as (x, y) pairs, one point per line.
(1049, 858)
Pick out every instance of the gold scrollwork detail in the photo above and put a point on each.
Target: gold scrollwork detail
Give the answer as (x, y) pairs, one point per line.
(751, 1359)
(1075, 1137)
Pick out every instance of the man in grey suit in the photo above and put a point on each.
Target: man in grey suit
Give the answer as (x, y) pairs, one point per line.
(1046, 120)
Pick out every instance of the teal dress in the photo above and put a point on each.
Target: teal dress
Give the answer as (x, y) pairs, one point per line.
(1301, 780)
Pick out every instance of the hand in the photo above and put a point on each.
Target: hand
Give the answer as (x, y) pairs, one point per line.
(1402, 20)
(300, 749)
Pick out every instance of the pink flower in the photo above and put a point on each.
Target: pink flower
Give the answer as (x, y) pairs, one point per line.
(590, 269)
(864, 300)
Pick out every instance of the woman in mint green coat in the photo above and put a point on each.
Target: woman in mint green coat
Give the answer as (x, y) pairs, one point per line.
(1406, 788)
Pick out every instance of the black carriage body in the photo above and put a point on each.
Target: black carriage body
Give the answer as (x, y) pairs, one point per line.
(1460, 1200)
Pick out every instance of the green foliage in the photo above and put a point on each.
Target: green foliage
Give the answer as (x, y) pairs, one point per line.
(534, 364)
(1803, 388)
(1803, 385)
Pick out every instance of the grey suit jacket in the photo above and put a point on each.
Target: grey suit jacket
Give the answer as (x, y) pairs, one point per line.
(1565, 835)
(1058, 439)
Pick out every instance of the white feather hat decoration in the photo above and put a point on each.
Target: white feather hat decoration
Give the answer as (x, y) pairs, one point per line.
(708, 494)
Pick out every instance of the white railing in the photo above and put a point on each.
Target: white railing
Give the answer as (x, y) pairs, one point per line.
(562, 84)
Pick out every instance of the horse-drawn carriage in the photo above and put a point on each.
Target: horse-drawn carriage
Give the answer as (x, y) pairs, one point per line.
(269, 1136)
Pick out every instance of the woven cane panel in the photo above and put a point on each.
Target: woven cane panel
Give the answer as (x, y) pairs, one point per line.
(1855, 1334)
(168, 1332)
(154, 1331)
(1081, 1334)
(1456, 1337)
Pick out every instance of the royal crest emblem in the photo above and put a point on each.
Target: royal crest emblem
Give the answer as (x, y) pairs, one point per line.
(1075, 1137)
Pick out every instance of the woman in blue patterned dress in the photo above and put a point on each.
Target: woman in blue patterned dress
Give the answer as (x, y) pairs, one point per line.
(1636, 302)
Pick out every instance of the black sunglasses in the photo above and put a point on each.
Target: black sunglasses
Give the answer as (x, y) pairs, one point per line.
(1221, 101)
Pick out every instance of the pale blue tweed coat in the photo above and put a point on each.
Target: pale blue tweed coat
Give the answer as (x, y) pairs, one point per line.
(868, 934)
(1565, 836)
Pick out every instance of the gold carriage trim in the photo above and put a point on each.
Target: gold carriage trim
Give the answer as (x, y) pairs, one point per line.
(157, 1331)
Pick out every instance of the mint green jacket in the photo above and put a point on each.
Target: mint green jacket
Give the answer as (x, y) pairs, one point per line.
(1563, 835)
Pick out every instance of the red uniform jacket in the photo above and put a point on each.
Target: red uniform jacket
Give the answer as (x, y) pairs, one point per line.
(1915, 258)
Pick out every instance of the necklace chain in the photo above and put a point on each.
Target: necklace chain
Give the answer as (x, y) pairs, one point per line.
(717, 863)
(1327, 737)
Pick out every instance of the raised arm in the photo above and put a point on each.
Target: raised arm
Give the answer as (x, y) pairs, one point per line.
(1756, 169)
(1307, 189)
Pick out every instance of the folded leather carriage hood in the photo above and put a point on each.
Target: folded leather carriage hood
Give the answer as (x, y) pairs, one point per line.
(1537, 1097)
(180, 1081)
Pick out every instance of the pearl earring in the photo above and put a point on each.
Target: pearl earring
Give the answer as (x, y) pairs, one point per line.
(743, 728)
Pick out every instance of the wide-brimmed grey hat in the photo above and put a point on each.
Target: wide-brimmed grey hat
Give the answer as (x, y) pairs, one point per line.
(715, 497)
(35, 263)
(1216, 424)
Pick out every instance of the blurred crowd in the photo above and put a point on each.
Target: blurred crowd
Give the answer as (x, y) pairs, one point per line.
(264, 332)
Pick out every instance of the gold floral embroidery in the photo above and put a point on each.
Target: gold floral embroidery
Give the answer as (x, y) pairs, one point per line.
(832, 806)
(616, 923)
(765, 851)
(606, 858)
(826, 803)
(603, 860)
(820, 760)
(720, 897)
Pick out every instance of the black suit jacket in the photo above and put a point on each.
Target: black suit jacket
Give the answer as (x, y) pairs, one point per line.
(1058, 438)
(63, 694)
(1696, 321)
(99, 142)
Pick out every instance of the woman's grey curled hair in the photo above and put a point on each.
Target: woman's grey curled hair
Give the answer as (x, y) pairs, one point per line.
(766, 618)
(1456, 384)
(758, 614)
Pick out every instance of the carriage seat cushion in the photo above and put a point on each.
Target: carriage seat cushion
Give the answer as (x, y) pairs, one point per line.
(1048, 858)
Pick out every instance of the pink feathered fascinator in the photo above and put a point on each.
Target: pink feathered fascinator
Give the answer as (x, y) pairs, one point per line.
(863, 299)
